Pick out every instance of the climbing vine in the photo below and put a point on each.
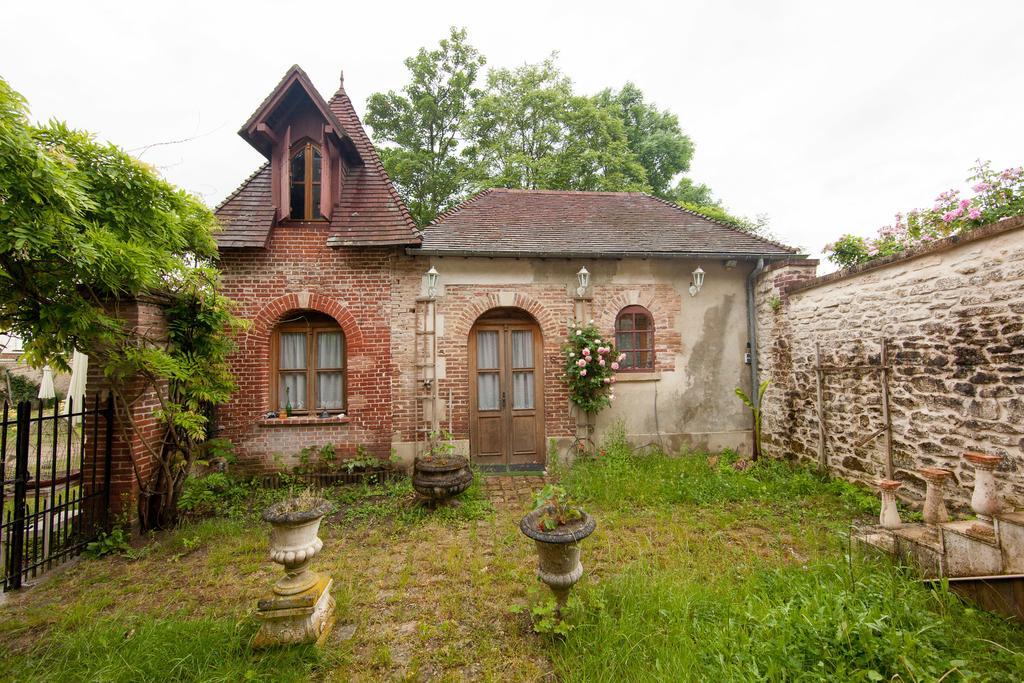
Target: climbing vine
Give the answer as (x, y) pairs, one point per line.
(591, 362)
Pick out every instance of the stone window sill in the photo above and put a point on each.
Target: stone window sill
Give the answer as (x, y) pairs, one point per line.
(637, 377)
(302, 421)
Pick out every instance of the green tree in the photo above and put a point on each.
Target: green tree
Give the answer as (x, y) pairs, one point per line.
(653, 135)
(530, 130)
(422, 125)
(84, 226)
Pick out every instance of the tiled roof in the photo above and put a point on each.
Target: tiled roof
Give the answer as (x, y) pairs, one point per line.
(247, 215)
(502, 222)
(368, 212)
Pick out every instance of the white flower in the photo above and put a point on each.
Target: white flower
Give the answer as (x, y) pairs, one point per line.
(611, 397)
(597, 341)
(591, 321)
(572, 354)
(579, 331)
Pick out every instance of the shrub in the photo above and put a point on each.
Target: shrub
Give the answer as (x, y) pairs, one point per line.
(214, 494)
(997, 195)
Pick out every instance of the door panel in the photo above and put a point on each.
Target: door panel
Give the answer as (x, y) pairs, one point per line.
(506, 393)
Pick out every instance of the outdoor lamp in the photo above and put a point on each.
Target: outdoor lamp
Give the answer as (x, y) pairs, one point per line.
(697, 282)
(583, 277)
(432, 276)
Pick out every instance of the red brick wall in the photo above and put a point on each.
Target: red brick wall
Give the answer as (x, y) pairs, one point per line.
(297, 270)
(137, 434)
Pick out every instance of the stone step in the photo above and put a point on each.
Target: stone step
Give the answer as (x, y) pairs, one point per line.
(921, 545)
(968, 551)
(1010, 532)
(874, 538)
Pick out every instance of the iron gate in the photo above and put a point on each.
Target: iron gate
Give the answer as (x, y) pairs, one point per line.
(55, 492)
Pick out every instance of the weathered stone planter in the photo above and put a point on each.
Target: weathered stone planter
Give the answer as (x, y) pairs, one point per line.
(935, 511)
(440, 478)
(558, 552)
(890, 516)
(300, 608)
(985, 500)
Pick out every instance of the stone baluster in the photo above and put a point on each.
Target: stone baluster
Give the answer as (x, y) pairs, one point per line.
(934, 497)
(890, 516)
(985, 500)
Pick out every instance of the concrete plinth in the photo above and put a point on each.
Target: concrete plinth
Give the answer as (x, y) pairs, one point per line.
(305, 617)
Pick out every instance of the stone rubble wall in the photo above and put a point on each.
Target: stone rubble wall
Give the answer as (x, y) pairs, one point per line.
(953, 315)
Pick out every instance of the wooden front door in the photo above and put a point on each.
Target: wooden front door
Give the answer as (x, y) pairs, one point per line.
(506, 392)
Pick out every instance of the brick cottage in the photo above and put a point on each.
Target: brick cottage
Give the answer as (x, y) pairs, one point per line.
(353, 345)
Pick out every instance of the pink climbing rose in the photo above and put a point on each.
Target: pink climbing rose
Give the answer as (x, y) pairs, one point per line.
(615, 366)
(601, 362)
(583, 372)
(586, 351)
(621, 357)
(607, 380)
(581, 362)
(974, 214)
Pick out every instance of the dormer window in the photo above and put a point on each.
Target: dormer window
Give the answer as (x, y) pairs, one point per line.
(305, 168)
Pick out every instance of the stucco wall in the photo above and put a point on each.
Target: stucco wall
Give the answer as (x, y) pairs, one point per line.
(953, 315)
(700, 341)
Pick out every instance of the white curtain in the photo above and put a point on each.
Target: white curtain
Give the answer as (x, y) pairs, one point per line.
(328, 390)
(328, 354)
(293, 351)
(522, 390)
(487, 350)
(293, 357)
(522, 349)
(487, 391)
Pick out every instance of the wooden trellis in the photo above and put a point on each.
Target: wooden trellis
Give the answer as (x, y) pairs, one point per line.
(884, 368)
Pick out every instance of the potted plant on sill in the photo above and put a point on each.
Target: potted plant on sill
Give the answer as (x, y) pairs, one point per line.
(557, 526)
(300, 607)
(439, 475)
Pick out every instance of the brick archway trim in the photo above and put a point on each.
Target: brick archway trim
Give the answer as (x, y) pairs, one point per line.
(273, 311)
(469, 313)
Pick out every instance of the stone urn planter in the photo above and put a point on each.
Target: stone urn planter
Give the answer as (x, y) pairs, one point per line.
(985, 500)
(440, 478)
(558, 550)
(890, 515)
(300, 607)
(935, 511)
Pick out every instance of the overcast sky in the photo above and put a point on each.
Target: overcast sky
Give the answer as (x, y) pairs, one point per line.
(827, 117)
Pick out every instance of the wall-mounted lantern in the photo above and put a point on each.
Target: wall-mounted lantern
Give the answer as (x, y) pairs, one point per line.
(583, 277)
(432, 276)
(697, 282)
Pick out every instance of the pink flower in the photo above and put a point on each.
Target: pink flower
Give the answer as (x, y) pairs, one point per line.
(603, 350)
(581, 362)
(621, 357)
(607, 380)
(583, 372)
(974, 214)
(612, 379)
(601, 362)
(952, 215)
(615, 366)
(586, 351)
(982, 187)
(964, 203)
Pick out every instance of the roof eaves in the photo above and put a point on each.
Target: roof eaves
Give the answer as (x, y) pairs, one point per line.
(525, 253)
(245, 183)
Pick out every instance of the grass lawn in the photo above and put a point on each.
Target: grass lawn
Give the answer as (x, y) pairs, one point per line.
(696, 572)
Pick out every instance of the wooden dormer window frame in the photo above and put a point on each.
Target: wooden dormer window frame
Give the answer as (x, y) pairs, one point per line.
(304, 193)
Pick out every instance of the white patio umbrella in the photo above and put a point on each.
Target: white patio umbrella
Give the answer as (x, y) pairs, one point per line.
(46, 391)
(76, 389)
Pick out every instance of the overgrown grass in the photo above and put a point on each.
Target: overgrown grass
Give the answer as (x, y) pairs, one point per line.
(862, 620)
(168, 648)
(622, 477)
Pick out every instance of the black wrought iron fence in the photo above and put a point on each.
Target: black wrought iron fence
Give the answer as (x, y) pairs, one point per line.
(55, 492)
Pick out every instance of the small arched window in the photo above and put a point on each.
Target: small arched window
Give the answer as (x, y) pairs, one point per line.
(305, 182)
(634, 335)
(308, 365)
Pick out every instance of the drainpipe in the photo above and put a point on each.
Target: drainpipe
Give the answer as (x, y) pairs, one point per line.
(752, 337)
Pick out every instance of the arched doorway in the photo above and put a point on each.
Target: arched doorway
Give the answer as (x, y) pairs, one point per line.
(506, 389)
